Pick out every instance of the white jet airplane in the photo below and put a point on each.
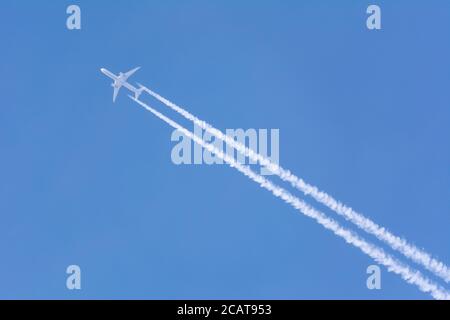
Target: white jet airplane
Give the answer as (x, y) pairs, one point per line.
(121, 81)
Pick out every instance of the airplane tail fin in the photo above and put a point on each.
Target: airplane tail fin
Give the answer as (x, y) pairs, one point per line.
(139, 91)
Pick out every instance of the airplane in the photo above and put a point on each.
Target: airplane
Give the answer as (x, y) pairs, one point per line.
(121, 81)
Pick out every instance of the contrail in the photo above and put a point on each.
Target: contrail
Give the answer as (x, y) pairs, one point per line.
(409, 275)
(397, 243)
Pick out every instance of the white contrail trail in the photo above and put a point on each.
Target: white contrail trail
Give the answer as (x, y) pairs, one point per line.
(397, 243)
(409, 275)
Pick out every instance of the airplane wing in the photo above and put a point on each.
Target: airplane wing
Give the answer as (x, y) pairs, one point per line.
(116, 91)
(129, 73)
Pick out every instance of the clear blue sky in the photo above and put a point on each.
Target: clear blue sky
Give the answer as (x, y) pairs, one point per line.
(364, 115)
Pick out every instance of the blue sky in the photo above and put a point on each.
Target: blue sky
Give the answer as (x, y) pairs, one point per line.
(362, 114)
